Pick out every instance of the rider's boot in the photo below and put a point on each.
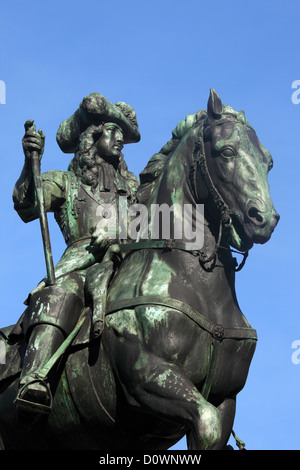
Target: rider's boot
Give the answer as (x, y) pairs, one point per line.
(52, 315)
(34, 392)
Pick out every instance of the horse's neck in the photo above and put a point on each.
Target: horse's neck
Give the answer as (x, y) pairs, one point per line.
(176, 188)
(172, 186)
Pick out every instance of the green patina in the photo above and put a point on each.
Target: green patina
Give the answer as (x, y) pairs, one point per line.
(158, 278)
(135, 353)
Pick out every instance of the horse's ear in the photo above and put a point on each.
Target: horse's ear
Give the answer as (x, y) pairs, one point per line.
(214, 105)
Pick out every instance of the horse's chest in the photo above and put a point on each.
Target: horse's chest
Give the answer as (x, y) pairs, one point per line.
(228, 367)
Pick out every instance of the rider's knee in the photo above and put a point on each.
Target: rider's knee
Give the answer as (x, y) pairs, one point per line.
(72, 283)
(54, 306)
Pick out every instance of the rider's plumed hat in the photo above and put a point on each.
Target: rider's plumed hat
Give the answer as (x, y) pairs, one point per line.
(95, 109)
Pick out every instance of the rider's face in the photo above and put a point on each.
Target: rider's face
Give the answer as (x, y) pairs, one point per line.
(111, 141)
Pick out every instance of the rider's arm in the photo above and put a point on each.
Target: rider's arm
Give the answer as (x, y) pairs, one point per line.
(25, 203)
(24, 196)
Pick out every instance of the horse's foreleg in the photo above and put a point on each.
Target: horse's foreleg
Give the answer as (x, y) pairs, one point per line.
(227, 411)
(166, 391)
(161, 388)
(1, 444)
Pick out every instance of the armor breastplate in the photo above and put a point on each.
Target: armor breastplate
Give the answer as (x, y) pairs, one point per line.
(83, 209)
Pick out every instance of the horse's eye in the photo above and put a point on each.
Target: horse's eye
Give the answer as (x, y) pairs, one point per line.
(228, 152)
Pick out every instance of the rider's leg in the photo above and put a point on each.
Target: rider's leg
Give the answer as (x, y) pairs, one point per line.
(96, 285)
(53, 313)
(44, 340)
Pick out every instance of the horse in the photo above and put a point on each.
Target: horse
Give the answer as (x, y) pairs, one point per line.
(176, 348)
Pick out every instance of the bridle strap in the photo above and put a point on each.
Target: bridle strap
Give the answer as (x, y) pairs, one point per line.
(223, 209)
(200, 162)
(169, 245)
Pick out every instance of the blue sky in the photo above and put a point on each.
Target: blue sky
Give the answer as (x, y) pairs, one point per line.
(162, 57)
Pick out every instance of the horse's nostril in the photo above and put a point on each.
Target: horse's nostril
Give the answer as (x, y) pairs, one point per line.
(254, 214)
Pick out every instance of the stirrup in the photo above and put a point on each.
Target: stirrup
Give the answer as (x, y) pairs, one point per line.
(33, 406)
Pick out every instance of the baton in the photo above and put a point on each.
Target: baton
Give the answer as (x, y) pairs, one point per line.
(37, 179)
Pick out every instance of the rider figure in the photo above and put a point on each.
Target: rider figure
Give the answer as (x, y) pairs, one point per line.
(96, 176)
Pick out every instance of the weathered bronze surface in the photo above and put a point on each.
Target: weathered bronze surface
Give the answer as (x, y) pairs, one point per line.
(134, 343)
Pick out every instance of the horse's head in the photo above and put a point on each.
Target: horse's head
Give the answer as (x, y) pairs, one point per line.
(235, 167)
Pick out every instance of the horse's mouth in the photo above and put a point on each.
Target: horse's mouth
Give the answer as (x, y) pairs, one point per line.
(237, 236)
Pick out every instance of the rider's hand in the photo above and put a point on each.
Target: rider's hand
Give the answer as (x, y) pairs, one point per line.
(103, 237)
(101, 243)
(32, 140)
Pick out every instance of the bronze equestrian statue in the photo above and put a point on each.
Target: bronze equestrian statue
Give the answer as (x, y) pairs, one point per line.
(143, 340)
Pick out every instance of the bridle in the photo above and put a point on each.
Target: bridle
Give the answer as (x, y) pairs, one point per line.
(200, 162)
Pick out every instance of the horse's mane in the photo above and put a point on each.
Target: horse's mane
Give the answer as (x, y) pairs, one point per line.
(157, 163)
(149, 176)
